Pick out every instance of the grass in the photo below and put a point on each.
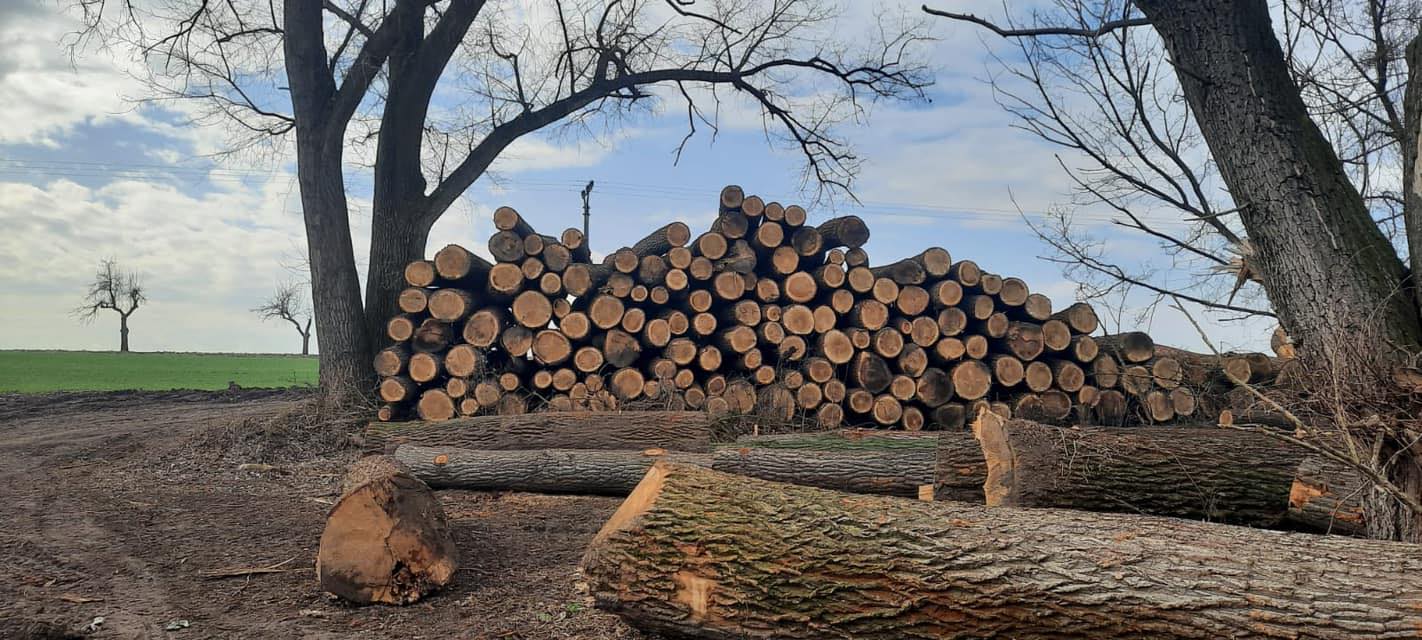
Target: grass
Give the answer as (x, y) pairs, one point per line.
(40, 371)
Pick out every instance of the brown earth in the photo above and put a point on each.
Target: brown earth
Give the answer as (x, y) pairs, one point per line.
(115, 503)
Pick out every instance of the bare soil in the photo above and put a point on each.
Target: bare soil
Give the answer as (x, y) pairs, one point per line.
(114, 504)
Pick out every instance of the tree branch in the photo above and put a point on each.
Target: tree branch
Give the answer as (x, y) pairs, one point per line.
(1031, 32)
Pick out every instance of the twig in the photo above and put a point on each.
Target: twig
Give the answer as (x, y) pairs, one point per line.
(1031, 32)
(234, 572)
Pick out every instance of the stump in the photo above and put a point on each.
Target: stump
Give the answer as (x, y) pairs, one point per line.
(386, 540)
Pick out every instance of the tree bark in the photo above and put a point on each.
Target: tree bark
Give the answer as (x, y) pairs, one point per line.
(588, 471)
(395, 240)
(123, 333)
(701, 554)
(1210, 474)
(676, 431)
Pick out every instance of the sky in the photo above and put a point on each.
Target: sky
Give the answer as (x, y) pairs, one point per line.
(87, 173)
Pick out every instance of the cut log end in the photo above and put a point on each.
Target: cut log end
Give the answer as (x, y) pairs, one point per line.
(386, 540)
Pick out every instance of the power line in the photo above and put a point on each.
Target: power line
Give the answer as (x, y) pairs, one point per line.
(659, 193)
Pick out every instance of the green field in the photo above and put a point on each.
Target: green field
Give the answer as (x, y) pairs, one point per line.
(38, 371)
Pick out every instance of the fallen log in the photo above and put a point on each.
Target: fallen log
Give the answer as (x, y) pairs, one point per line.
(1205, 473)
(857, 461)
(697, 553)
(386, 539)
(676, 431)
(587, 471)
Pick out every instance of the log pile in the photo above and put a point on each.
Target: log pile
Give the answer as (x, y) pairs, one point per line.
(1140, 382)
(762, 314)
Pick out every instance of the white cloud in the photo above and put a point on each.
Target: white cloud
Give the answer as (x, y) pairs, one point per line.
(536, 152)
(44, 93)
(206, 260)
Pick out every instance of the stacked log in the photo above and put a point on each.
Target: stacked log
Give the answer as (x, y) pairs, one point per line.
(762, 314)
(1135, 381)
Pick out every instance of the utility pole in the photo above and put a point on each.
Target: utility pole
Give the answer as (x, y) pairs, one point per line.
(587, 191)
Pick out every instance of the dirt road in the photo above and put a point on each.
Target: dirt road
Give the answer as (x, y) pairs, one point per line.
(112, 505)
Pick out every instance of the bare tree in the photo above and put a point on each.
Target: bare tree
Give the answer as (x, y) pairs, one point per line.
(289, 303)
(363, 74)
(1287, 150)
(113, 289)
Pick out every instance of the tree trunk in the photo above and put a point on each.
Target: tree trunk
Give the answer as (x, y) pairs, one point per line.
(1282, 171)
(676, 431)
(1197, 473)
(702, 554)
(401, 215)
(1393, 519)
(306, 343)
(335, 286)
(544, 470)
(1411, 184)
(386, 540)
(1306, 220)
(123, 333)
(1387, 518)
(395, 240)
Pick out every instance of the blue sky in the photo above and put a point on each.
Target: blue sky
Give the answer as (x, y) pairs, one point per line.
(86, 174)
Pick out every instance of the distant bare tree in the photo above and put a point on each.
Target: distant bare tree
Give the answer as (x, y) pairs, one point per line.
(288, 304)
(115, 289)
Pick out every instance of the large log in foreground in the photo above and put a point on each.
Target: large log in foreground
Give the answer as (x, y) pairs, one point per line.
(386, 539)
(628, 430)
(545, 470)
(1220, 475)
(697, 553)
